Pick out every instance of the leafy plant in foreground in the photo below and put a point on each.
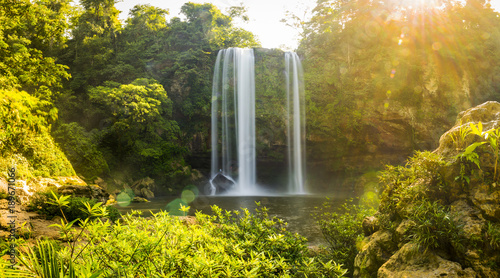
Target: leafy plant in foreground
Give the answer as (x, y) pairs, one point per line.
(227, 244)
(491, 136)
(342, 230)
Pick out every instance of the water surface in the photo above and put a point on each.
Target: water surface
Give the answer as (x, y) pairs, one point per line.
(296, 210)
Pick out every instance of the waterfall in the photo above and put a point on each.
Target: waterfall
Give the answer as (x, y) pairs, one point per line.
(296, 122)
(233, 121)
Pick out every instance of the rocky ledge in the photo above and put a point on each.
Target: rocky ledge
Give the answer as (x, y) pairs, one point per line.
(464, 184)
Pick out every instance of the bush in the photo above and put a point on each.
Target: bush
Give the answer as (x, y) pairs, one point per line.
(341, 227)
(227, 244)
(39, 203)
(433, 227)
(493, 235)
(420, 179)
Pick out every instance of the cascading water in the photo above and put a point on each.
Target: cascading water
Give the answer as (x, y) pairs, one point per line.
(296, 122)
(233, 121)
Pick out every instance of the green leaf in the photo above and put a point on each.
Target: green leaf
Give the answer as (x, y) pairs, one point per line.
(471, 148)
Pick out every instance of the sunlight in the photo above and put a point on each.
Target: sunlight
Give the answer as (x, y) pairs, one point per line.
(421, 4)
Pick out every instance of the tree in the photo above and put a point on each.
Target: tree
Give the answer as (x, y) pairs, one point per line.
(140, 132)
(193, 45)
(92, 47)
(374, 66)
(29, 34)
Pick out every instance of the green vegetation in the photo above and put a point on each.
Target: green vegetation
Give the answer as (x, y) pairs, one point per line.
(493, 235)
(83, 93)
(227, 244)
(425, 204)
(100, 87)
(342, 230)
(433, 227)
(406, 186)
(371, 69)
(123, 73)
(25, 139)
(51, 204)
(380, 70)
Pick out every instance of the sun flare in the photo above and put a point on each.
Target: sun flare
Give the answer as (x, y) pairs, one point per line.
(421, 4)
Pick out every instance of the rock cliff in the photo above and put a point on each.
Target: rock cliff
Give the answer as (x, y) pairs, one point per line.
(439, 215)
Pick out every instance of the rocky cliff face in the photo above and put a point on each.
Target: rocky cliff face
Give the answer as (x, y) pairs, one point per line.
(440, 215)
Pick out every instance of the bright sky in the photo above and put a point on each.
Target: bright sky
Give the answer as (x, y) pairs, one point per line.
(265, 16)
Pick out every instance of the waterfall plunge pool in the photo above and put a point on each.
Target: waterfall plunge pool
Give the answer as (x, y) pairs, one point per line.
(296, 210)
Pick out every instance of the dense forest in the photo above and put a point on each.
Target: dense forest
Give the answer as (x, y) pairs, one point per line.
(87, 99)
(116, 97)
(126, 100)
(384, 79)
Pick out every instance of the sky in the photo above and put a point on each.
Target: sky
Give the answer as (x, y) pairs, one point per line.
(265, 16)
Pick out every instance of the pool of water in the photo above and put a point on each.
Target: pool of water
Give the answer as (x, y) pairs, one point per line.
(296, 210)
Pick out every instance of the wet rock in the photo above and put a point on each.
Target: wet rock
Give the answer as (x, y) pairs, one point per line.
(111, 200)
(409, 261)
(137, 199)
(144, 188)
(103, 184)
(222, 183)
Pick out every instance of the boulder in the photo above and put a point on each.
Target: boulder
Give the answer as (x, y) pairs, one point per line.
(377, 249)
(144, 188)
(370, 225)
(401, 232)
(470, 195)
(29, 224)
(137, 199)
(89, 191)
(222, 183)
(487, 113)
(409, 261)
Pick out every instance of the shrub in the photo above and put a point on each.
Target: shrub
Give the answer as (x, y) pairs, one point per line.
(420, 179)
(26, 142)
(227, 244)
(493, 235)
(40, 203)
(341, 227)
(434, 227)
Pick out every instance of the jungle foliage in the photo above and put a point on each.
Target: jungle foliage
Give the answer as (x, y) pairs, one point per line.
(120, 98)
(342, 229)
(381, 67)
(226, 244)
